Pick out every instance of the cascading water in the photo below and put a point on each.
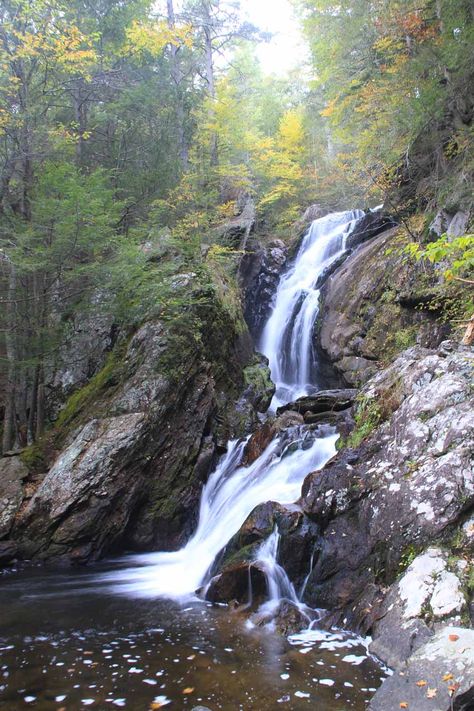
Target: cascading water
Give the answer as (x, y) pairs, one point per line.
(233, 491)
(229, 496)
(279, 585)
(287, 336)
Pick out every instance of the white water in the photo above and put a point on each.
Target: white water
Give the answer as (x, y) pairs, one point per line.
(229, 496)
(287, 337)
(279, 585)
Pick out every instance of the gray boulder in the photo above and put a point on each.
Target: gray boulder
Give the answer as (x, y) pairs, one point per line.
(439, 676)
(12, 475)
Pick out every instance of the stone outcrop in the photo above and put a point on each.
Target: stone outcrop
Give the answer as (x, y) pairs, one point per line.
(12, 475)
(375, 305)
(321, 402)
(454, 225)
(431, 591)
(405, 483)
(409, 483)
(130, 466)
(235, 232)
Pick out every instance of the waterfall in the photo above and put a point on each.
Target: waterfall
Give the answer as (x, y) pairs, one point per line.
(288, 335)
(230, 495)
(233, 491)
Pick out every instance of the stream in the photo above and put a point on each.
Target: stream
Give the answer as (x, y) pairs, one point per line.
(133, 633)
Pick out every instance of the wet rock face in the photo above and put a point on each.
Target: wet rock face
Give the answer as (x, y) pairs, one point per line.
(322, 402)
(368, 227)
(286, 619)
(407, 484)
(260, 273)
(298, 534)
(242, 583)
(372, 308)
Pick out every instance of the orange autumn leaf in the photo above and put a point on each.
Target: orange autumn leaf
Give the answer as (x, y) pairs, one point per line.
(188, 690)
(422, 682)
(403, 705)
(453, 637)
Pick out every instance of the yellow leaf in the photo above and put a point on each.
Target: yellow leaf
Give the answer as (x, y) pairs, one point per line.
(188, 690)
(448, 677)
(422, 682)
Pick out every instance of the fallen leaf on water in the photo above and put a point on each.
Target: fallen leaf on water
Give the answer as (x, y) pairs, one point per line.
(453, 637)
(431, 693)
(422, 682)
(448, 677)
(188, 690)
(453, 689)
(403, 705)
(156, 705)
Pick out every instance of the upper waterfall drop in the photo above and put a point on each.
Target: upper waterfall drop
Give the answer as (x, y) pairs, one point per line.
(287, 337)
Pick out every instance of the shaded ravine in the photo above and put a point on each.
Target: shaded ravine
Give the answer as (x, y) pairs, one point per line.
(134, 632)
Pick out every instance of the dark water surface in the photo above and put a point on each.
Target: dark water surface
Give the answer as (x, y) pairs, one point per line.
(66, 644)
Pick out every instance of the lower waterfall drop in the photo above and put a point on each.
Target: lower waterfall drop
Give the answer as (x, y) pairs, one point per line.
(230, 495)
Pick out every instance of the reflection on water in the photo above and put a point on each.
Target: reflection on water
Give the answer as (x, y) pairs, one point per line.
(64, 644)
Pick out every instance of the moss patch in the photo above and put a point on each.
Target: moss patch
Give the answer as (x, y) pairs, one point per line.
(368, 416)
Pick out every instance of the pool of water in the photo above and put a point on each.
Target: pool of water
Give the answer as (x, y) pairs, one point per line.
(67, 643)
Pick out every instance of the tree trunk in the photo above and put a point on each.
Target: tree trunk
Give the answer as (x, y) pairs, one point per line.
(80, 114)
(33, 399)
(211, 85)
(9, 428)
(177, 79)
(40, 408)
